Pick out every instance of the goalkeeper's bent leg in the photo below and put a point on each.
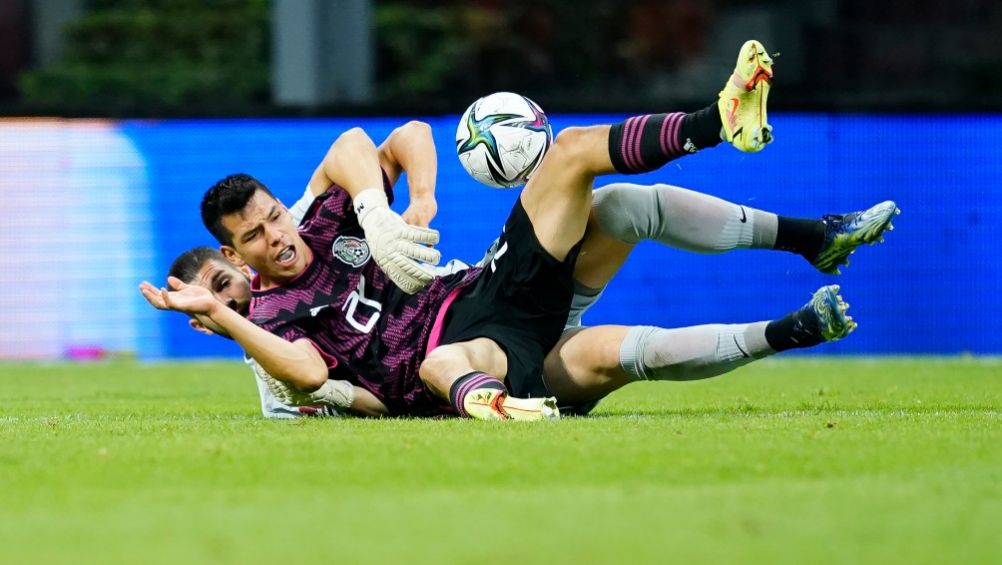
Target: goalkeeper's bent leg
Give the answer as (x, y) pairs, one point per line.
(680, 218)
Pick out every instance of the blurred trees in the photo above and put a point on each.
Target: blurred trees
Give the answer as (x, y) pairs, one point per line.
(417, 48)
(158, 57)
(440, 55)
(211, 57)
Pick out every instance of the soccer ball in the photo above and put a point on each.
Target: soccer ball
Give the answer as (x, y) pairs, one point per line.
(501, 139)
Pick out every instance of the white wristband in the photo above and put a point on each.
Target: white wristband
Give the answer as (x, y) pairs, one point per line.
(368, 200)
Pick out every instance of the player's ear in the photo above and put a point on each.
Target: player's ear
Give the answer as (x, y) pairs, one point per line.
(232, 256)
(198, 327)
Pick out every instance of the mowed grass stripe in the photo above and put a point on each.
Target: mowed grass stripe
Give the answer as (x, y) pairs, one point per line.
(833, 461)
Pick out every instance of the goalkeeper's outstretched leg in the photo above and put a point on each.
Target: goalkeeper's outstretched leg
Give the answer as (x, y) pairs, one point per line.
(590, 363)
(557, 198)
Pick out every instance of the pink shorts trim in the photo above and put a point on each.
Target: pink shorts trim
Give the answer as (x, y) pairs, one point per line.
(436, 329)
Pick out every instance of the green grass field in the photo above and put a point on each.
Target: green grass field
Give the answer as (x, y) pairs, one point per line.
(786, 461)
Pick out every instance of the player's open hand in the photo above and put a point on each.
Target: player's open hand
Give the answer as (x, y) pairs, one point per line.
(402, 251)
(186, 298)
(421, 211)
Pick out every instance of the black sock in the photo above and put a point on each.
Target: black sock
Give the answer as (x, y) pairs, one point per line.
(645, 143)
(795, 330)
(803, 237)
(700, 129)
(467, 384)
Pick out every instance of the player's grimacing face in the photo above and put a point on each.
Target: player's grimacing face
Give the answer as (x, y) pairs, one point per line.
(265, 237)
(228, 284)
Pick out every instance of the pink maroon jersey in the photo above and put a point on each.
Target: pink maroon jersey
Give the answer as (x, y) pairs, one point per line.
(368, 331)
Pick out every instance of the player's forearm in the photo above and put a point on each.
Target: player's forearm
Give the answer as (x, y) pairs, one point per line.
(365, 403)
(297, 364)
(352, 163)
(413, 147)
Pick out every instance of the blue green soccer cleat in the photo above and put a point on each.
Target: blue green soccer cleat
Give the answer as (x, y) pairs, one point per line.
(845, 232)
(829, 310)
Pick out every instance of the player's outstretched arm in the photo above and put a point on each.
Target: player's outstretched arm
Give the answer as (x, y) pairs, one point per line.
(411, 148)
(296, 363)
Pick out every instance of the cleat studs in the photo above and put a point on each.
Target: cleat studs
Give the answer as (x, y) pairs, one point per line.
(890, 227)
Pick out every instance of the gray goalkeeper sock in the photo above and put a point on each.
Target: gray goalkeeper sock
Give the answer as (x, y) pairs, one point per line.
(696, 352)
(584, 297)
(681, 218)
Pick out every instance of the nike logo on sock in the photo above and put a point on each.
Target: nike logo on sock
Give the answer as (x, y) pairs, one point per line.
(738, 345)
(744, 218)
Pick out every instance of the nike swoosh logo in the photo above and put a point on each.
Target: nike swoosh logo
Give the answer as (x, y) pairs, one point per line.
(738, 345)
(744, 218)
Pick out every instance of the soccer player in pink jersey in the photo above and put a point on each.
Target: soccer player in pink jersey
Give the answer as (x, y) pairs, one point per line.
(341, 317)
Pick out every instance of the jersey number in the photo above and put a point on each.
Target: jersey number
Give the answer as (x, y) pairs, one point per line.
(350, 307)
(497, 255)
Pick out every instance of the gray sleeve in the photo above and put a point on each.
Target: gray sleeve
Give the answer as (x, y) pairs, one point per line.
(299, 209)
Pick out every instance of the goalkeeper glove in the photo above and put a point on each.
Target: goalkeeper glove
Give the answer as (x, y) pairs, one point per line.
(338, 394)
(399, 249)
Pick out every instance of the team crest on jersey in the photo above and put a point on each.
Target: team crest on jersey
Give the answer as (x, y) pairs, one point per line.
(351, 250)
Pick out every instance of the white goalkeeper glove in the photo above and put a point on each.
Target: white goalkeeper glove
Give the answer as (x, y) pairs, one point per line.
(399, 249)
(338, 394)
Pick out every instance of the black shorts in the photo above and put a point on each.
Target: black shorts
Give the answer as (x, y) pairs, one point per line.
(520, 300)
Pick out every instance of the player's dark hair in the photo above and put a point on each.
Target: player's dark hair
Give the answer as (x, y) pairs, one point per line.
(187, 264)
(226, 197)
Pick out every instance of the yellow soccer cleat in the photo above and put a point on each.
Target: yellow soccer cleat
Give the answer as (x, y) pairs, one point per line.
(743, 99)
(493, 404)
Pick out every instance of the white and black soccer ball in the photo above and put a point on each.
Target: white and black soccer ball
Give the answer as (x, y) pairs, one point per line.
(501, 139)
